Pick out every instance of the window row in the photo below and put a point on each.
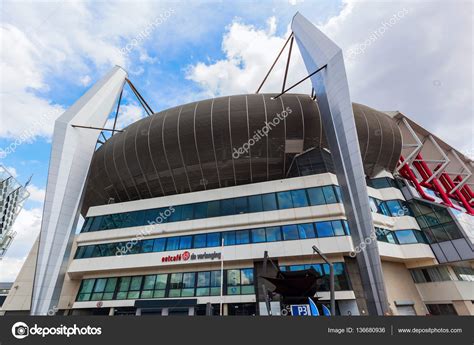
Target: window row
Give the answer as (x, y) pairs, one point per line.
(382, 182)
(391, 208)
(341, 280)
(168, 285)
(214, 239)
(216, 208)
(435, 221)
(400, 236)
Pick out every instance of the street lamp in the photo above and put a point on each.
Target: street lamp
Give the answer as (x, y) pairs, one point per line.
(331, 279)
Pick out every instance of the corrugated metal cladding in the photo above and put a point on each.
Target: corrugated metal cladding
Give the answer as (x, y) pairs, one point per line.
(190, 147)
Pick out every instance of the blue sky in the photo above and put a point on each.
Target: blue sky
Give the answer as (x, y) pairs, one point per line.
(52, 52)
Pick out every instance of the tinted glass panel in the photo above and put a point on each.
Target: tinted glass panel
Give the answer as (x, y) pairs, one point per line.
(306, 231)
(240, 205)
(273, 234)
(324, 229)
(329, 194)
(316, 196)
(229, 238)
(214, 239)
(258, 235)
(227, 207)
(269, 202)
(185, 242)
(290, 232)
(284, 200)
(299, 198)
(159, 244)
(172, 243)
(200, 241)
(242, 237)
(255, 203)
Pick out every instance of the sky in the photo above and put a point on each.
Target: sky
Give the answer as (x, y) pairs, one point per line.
(414, 57)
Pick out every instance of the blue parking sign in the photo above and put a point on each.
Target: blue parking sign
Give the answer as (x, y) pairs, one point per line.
(300, 310)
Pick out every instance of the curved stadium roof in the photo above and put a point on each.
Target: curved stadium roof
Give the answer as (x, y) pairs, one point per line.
(189, 147)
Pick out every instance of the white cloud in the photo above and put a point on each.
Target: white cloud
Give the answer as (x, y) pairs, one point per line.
(42, 40)
(36, 194)
(85, 80)
(26, 226)
(249, 54)
(128, 114)
(12, 171)
(420, 69)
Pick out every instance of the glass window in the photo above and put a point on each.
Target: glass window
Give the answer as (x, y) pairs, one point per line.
(124, 283)
(273, 234)
(316, 196)
(147, 246)
(242, 237)
(176, 280)
(240, 205)
(87, 224)
(159, 244)
(337, 189)
(338, 228)
(135, 283)
(110, 289)
(176, 215)
(233, 277)
(395, 208)
(199, 241)
(213, 208)
(187, 212)
(299, 198)
(160, 282)
(203, 279)
(269, 202)
(258, 235)
(255, 203)
(452, 230)
(346, 227)
(176, 284)
(172, 243)
(87, 285)
(284, 200)
(306, 231)
(439, 234)
(227, 207)
(229, 238)
(324, 229)
(200, 210)
(188, 285)
(80, 252)
(214, 239)
(329, 195)
(373, 205)
(406, 236)
(247, 276)
(290, 232)
(96, 223)
(149, 282)
(185, 242)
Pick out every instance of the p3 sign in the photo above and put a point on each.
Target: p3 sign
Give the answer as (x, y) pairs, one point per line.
(300, 310)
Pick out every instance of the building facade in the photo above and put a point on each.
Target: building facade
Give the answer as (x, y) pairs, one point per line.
(175, 223)
(12, 196)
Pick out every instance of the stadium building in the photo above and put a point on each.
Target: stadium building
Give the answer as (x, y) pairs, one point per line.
(180, 208)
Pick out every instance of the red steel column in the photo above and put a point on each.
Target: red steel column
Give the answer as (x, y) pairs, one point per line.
(426, 173)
